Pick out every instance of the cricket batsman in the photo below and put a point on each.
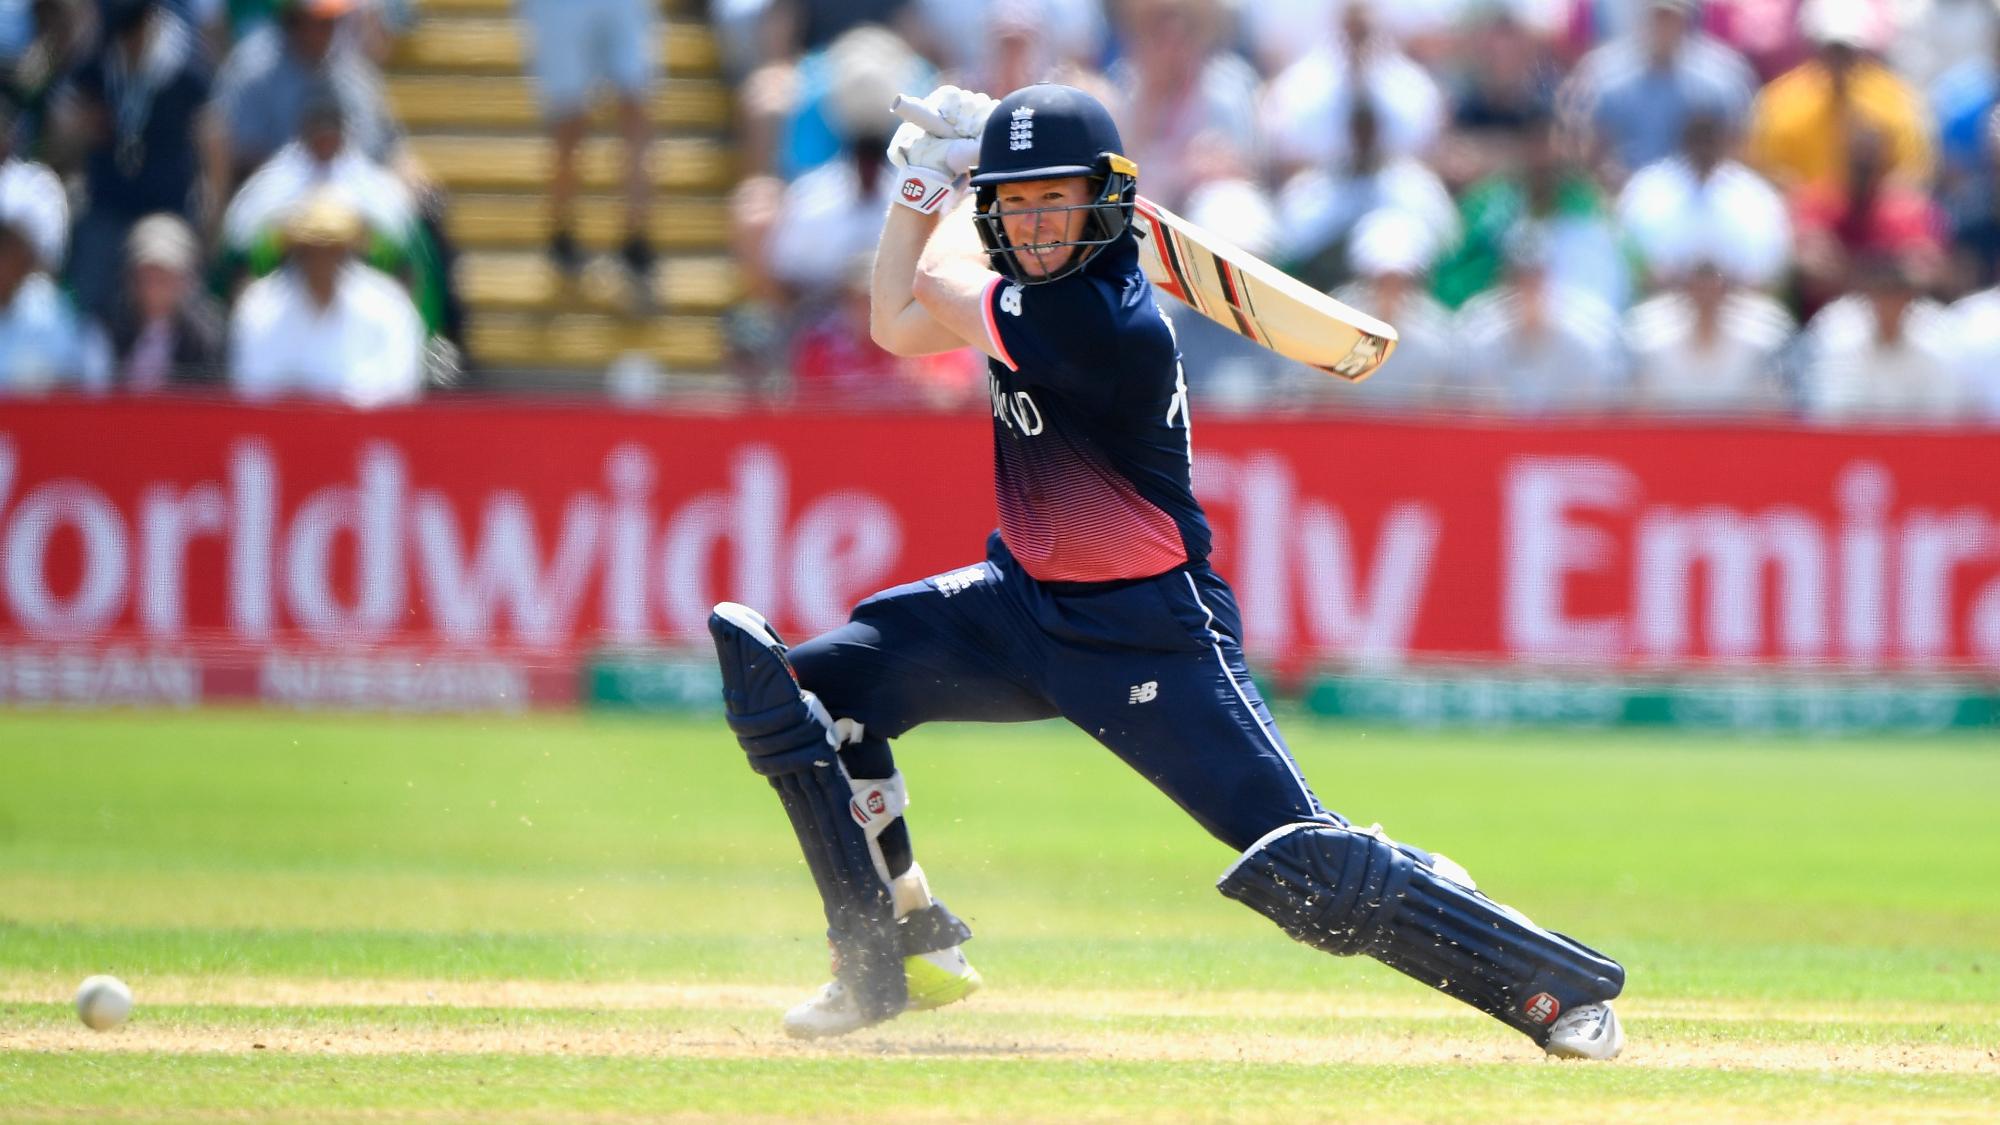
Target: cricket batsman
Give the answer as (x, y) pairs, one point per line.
(1094, 602)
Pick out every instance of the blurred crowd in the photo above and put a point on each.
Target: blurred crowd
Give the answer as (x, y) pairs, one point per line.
(1740, 207)
(214, 192)
(1730, 207)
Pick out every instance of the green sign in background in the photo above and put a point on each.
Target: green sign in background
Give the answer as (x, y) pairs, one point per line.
(688, 681)
(666, 681)
(1736, 703)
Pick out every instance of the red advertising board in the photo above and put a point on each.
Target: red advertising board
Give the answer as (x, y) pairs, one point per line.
(526, 533)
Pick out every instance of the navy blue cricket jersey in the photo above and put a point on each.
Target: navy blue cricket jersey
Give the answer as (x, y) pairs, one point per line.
(1091, 455)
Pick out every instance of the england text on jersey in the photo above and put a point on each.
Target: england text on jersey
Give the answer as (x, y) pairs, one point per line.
(1091, 457)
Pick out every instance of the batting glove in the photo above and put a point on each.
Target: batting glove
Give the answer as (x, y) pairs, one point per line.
(911, 147)
(965, 111)
(928, 167)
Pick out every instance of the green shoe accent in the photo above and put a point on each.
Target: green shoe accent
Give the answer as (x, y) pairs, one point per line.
(933, 987)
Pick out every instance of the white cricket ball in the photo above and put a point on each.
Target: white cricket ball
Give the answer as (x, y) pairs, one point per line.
(103, 1003)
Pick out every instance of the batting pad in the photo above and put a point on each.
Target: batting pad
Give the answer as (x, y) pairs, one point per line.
(791, 742)
(1346, 891)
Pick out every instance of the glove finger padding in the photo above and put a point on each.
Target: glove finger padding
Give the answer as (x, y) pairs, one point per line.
(911, 147)
(900, 142)
(948, 103)
(953, 157)
(968, 114)
(962, 112)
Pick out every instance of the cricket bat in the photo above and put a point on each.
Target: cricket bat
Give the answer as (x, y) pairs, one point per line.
(1238, 290)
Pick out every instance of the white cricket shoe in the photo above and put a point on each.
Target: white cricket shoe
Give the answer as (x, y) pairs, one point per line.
(935, 979)
(1589, 1032)
(830, 1011)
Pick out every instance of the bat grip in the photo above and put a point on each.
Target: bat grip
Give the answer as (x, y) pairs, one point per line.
(922, 116)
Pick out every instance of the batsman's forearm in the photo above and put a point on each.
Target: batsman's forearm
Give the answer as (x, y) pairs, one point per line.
(954, 278)
(896, 322)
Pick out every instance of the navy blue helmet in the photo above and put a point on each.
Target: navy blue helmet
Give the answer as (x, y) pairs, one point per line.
(1048, 131)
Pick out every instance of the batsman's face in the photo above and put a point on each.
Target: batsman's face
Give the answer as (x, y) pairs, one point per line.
(1033, 214)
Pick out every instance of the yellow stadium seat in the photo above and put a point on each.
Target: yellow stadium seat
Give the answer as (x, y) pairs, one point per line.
(426, 101)
(522, 221)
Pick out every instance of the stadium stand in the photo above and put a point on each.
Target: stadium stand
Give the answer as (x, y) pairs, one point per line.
(458, 84)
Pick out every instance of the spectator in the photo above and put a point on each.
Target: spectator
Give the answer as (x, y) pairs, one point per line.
(1551, 195)
(42, 341)
(37, 197)
(262, 89)
(1223, 369)
(1975, 327)
(372, 29)
(1023, 45)
(167, 333)
(203, 17)
(808, 129)
(378, 24)
(1883, 353)
(1632, 98)
(1701, 207)
(1976, 228)
(243, 18)
(139, 102)
(1805, 119)
(1866, 214)
(320, 159)
(821, 22)
(1278, 33)
(1319, 206)
(753, 327)
(1388, 256)
(835, 360)
(1764, 32)
(1935, 36)
(1016, 50)
(1708, 346)
(748, 33)
(326, 326)
(405, 239)
(958, 34)
(41, 42)
(793, 241)
(1234, 203)
(1184, 94)
(1506, 84)
(760, 39)
(1962, 101)
(1308, 105)
(575, 44)
(832, 357)
(1546, 346)
(834, 211)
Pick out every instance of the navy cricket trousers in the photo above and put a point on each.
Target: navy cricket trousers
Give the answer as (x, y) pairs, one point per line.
(1151, 669)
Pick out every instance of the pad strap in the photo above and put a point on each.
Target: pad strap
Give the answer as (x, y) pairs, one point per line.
(875, 806)
(1347, 891)
(931, 929)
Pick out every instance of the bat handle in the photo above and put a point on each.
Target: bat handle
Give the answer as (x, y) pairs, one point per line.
(922, 116)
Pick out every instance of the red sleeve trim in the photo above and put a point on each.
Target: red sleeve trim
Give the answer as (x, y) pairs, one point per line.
(993, 326)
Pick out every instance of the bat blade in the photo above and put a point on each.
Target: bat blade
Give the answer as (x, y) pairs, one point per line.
(1256, 300)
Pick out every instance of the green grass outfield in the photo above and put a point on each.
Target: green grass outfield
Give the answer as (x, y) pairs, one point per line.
(593, 920)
